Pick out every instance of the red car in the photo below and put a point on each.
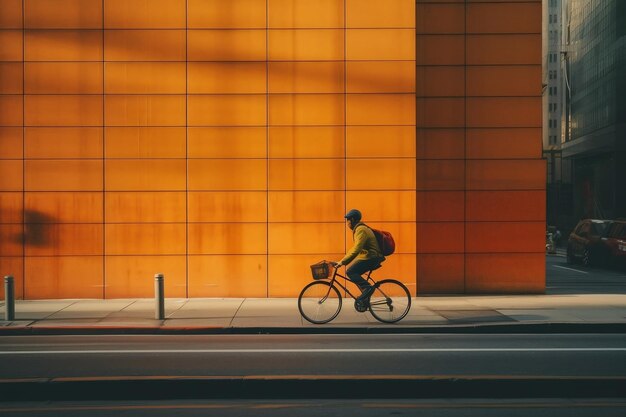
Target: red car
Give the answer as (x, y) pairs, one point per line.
(615, 242)
(586, 242)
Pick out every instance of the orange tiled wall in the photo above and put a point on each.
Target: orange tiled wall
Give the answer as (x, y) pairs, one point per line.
(220, 142)
(480, 177)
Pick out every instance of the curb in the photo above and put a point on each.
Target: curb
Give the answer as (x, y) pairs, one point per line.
(306, 386)
(511, 328)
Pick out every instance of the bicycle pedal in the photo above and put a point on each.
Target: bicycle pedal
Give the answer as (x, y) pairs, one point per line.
(360, 306)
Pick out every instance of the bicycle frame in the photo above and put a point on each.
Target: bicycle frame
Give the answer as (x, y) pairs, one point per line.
(346, 279)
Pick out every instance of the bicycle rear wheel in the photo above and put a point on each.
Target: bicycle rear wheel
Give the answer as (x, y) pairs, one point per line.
(319, 302)
(390, 302)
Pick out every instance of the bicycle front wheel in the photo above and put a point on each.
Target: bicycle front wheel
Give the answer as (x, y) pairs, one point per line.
(390, 302)
(319, 302)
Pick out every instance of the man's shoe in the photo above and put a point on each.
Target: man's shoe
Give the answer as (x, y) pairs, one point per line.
(366, 293)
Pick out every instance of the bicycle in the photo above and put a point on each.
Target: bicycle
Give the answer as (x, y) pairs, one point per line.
(320, 301)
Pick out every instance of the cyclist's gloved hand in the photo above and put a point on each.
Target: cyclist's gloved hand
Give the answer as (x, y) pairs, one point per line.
(336, 264)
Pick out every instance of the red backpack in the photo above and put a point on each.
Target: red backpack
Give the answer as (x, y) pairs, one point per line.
(385, 241)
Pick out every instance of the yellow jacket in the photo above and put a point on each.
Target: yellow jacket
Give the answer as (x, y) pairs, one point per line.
(365, 245)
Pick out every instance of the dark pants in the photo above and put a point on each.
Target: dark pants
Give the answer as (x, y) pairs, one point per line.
(358, 268)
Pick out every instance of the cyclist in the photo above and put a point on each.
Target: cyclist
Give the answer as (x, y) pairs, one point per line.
(365, 253)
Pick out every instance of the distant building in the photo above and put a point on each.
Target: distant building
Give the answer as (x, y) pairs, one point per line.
(594, 134)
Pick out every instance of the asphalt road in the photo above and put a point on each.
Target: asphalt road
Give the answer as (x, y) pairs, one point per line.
(564, 278)
(273, 355)
(370, 408)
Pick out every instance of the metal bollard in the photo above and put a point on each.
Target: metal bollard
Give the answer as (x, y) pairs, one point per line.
(9, 298)
(159, 297)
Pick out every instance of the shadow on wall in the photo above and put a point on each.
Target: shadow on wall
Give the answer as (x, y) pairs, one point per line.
(35, 231)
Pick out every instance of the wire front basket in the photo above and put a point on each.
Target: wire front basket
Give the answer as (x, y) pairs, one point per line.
(320, 270)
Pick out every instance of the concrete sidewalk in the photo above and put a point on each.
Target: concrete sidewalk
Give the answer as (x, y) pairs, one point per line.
(578, 312)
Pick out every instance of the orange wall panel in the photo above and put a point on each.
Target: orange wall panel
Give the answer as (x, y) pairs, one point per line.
(11, 17)
(497, 50)
(380, 141)
(440, 175)
(11, 175)
(62, 239)
(380, 13)
(306, 142)
(505, 205)
(144, 110)
(305, 206)
(11, 207)
(511, 237)
(145, 207)
(11, 110)
(380, 174)
(227, 238)
(232, 110)
(227, 174)
(380, 109)
(504, 18)
(503, 143)
(12, 45)
(226, 45)
(497, 80)
(232, 14)
(144, 78)
(133, 276)
(65, 277)
(306, 109)
(228, 276)
(440, 237)
(145, 239)
(440, 81)
(78, 142)
(295, 238)
(504, 112)
(63, 110)
(226, 77)
(440, 143)
(13, 265)
(144, 45)
(380, 44)
(288, 274)
(227, 206)
(506, 273)
(306, 174)
(226, 142)
(305, 45)
(381, 77)
(11, 143)
(11, 236)
(288, 14)
(145, 14)
(440, 274)
(379, 206)
(440, 50)
(401, 267)
(63, 14)
(440, 112)
(145, 142)
(63, 175)
(63, 45)
(434, 18)
(145, 174)
(523, 174)
(306, 77)
(11, 77)
(440, 206)
(63, 207)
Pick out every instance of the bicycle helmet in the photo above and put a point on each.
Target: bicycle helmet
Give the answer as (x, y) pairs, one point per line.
(353, 214)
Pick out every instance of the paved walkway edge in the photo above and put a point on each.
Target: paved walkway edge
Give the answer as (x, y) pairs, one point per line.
(300, 387)
(509, 328)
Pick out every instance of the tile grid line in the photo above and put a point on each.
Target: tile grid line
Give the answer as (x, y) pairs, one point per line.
(104, 195)
(267, 155)
(187, 148)
(465, 146)
(23, 150)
